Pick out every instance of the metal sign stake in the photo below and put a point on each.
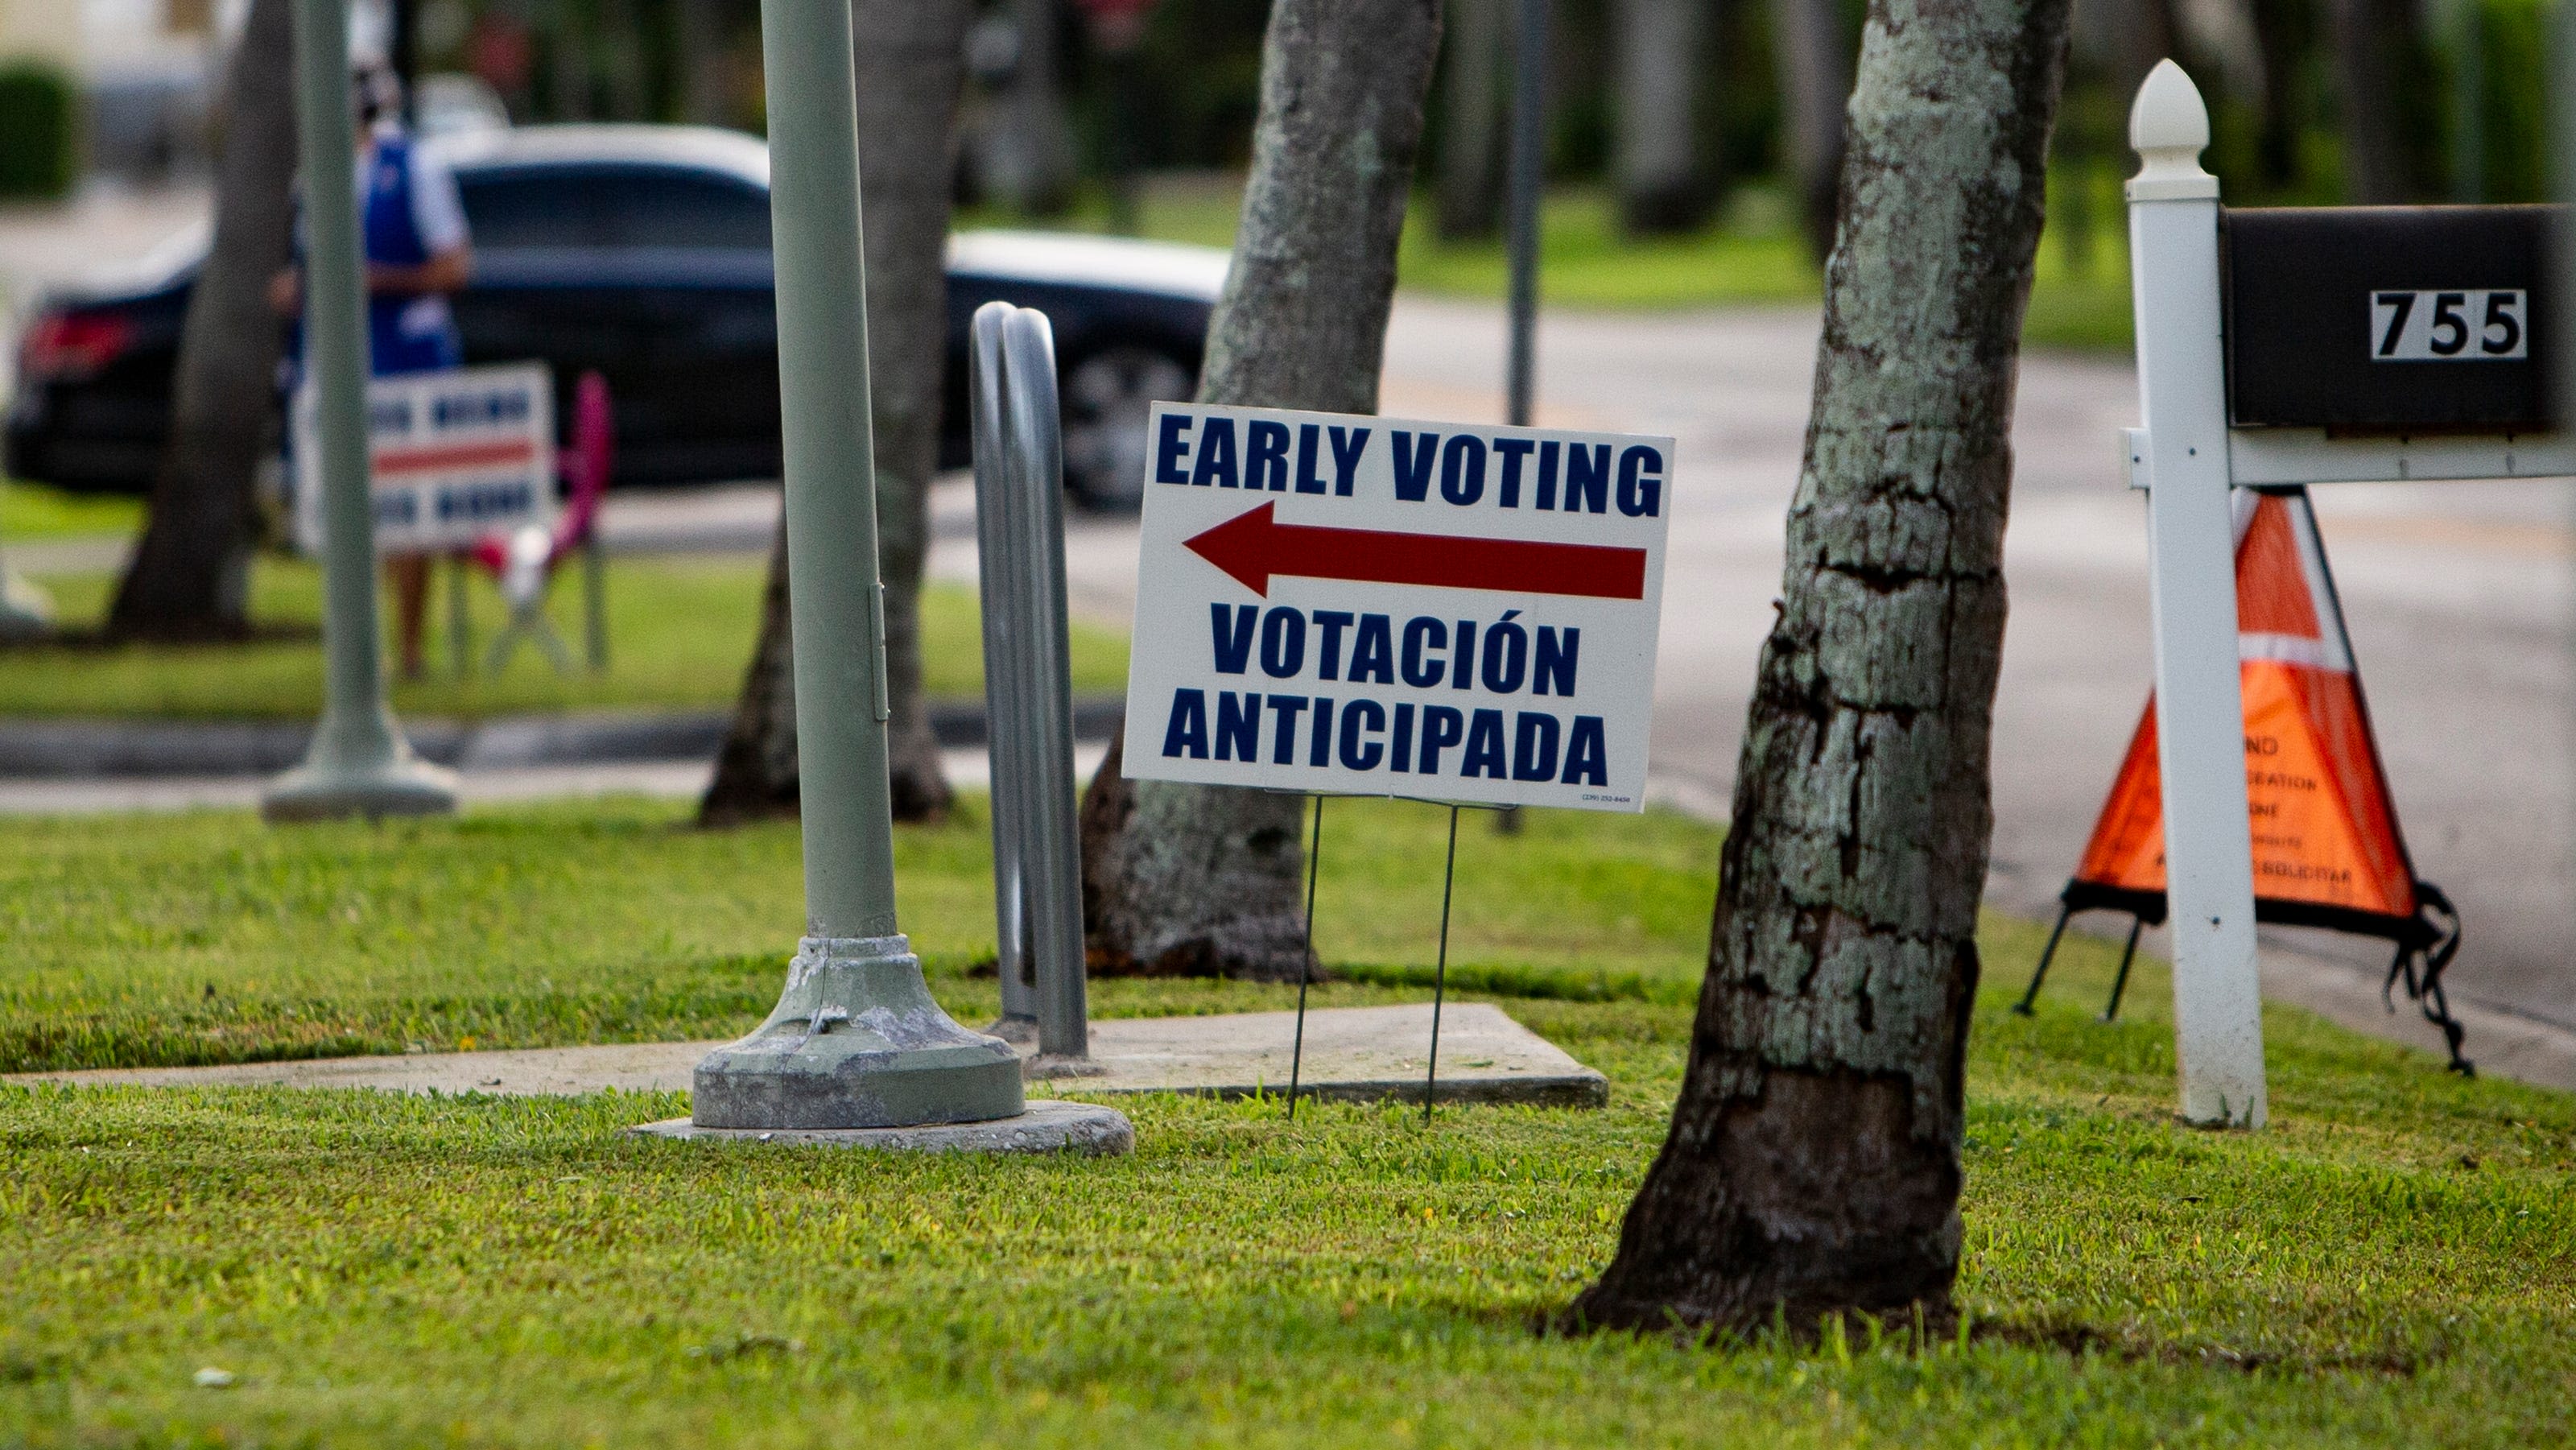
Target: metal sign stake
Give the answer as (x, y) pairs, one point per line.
(1440, 973)
(1054, 837)
(1306, 963)
(1004, 670)
(1037, 851)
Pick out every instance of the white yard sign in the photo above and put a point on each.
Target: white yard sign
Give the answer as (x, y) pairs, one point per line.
(454, 456)
(1372, 606)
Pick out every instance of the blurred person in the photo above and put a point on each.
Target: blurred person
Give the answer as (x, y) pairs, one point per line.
(418, 252)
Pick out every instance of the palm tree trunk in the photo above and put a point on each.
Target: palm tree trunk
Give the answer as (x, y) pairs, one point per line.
(1205, 879)
(1813, 60)
(755, 775)
(910, 65)
(622, 51)
(2286, 29)
(704, 61)
(1663, 187)
(1029, 163)
(569, 53)
(2386, 92)
(1813, 1164)
(189, 575)
(2149, 32)
(1469, 201)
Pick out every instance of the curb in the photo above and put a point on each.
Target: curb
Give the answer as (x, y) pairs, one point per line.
(2502, 1042)
(82, 748)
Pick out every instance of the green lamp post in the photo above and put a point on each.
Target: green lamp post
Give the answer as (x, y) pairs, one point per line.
(855, 1041)
(358, 764)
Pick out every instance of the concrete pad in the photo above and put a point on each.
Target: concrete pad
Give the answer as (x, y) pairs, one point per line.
(534, 1072)
(1352, 1054)
(1047, 1127)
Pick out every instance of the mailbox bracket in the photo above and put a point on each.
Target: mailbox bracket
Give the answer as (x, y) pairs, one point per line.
(2268, 457)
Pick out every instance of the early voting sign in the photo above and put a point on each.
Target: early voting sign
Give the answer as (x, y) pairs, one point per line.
(1371, 606)
(453, 456)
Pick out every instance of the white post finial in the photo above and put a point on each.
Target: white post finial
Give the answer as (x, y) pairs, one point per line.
(2169, 127)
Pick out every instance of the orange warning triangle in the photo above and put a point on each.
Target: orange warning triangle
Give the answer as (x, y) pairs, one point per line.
(2327, 851)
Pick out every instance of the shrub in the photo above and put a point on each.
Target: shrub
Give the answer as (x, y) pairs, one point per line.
(38, 136)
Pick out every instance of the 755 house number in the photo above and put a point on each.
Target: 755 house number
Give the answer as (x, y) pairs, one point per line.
(2472, 325)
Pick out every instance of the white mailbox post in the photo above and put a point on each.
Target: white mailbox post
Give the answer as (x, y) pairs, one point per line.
(2352, 345)
(2181, 455)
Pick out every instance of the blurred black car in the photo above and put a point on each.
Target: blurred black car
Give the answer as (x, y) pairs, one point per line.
(643, 252)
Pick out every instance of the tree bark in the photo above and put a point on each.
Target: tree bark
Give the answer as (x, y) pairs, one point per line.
(705, 61)
(2148, 32)
(911, 62)
(189, 577)
(755, 775)
(569, 56)
(1813, 61)
(1206, 879)
(1813, 1163)
(622, 57)
(1469, 202)
(2386, 89)
(1661, 44)
(2285, 29)
(1029, 163)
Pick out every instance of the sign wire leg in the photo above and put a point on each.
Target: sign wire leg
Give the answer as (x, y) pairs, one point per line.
(1440, 973)
(594, 593)
(2120, 983)
(1306, 965)
(2022, 1007)
(460, 623)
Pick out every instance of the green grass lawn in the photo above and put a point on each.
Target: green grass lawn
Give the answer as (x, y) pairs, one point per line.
(2390, 1263)
(202, 938)
(1751, 255)
(680, 631)
(33, 511)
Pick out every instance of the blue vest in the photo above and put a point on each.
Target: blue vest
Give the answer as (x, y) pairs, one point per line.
(405, 334)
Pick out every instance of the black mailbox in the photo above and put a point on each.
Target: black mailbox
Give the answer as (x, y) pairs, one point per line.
(2389, 318)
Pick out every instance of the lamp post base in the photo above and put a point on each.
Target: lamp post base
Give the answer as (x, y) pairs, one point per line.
(1047, 1127)
(856, 1042)
(329, 790)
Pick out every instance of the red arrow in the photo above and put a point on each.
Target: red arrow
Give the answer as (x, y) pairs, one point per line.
(441, 457)
(1252, 548)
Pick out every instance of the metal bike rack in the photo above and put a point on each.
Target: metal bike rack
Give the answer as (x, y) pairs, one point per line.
(1019, 523)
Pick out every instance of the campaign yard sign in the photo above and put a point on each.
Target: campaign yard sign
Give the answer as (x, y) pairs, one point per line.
(453, 456)
(1376, 606)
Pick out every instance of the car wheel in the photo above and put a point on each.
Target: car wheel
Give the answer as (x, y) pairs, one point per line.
(1107, 397)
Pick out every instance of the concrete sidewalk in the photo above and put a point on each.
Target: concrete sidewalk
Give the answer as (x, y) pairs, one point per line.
(1352, 1054)
(967, 768)
(77, 748)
